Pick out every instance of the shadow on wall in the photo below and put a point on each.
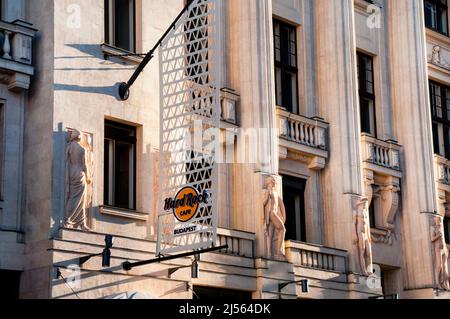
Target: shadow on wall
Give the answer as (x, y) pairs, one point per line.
(104, 90)
(90, 51)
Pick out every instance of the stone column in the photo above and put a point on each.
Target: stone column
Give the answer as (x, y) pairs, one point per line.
(412, 125)
(338, 104)
(251, 66)
(251, 75)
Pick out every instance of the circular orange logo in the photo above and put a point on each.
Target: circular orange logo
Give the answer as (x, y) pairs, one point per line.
(186, 204)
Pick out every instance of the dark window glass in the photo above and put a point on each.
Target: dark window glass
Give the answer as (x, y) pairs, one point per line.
(294, 201)
(120, 165)
(120, 24)
(447, 229)
(436, 15)
(366, 94)
(372, 215)
(440, 111)
(286, 69)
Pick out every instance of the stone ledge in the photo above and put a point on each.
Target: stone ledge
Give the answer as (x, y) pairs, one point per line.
(123, 213)
(121, 54)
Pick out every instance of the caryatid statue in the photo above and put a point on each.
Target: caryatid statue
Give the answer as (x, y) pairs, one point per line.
(363, 237)
(78, 179)
(274, 220)
(440, 254)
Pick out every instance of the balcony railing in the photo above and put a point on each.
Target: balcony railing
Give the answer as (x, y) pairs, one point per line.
(16, 51)
(239, 243)
(304, 136)
(303, 130)
(381, 153)
(316, 257)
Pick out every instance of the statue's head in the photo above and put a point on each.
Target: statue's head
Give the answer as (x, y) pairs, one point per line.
(75, 136)
(361, 204)
(270, 182)
(437, 221)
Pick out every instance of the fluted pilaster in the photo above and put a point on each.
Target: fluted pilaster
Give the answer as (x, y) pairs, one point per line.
(412, 125)
(338, 102)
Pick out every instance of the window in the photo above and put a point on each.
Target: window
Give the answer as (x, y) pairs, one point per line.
(120, 24)
(436, 15)
(447, 229)
(294, 201)
(440, 110)
(286, 69)
(120, 165)
(366, 94)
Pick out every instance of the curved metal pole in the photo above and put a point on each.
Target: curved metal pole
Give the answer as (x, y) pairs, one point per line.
(124, 88)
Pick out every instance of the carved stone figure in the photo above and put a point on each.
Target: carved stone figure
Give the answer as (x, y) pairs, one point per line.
(437, 59)
(274, 220)
(440, 254)
(78, 181)
(363, 237)
(436, 55)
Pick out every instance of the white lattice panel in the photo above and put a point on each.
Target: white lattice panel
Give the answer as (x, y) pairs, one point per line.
(189, 69)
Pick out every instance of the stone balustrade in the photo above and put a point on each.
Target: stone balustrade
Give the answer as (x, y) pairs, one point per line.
(239, 243)
(303, 130)
(316, 257)
(16, 51)
(302, 137)
(384, 154)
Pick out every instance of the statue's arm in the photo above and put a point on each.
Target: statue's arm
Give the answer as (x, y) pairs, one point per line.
(282, 209)
(355, 222)
(435, 235)
(266, 211)
(265, 197)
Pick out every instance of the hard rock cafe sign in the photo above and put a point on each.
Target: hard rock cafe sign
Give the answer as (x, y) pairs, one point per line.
(186, 203)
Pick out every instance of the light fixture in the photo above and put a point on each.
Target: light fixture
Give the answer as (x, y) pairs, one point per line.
(304, 283)
(106, 254)
(194, 269)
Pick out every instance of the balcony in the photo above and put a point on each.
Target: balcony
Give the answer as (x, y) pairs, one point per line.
(239, 243)
(382, 157)
(303, 136)
(16, 41)
(324, 266)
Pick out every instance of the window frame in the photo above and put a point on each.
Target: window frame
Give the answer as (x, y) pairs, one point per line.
(286, 67)
(109, 185)
(439, 5)
(444, 120)
(110, 26)
(363, 93)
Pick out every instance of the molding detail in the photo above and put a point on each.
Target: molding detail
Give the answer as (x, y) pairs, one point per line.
(437, 59)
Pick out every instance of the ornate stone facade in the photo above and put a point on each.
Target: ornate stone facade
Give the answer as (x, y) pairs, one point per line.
(362, 202)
